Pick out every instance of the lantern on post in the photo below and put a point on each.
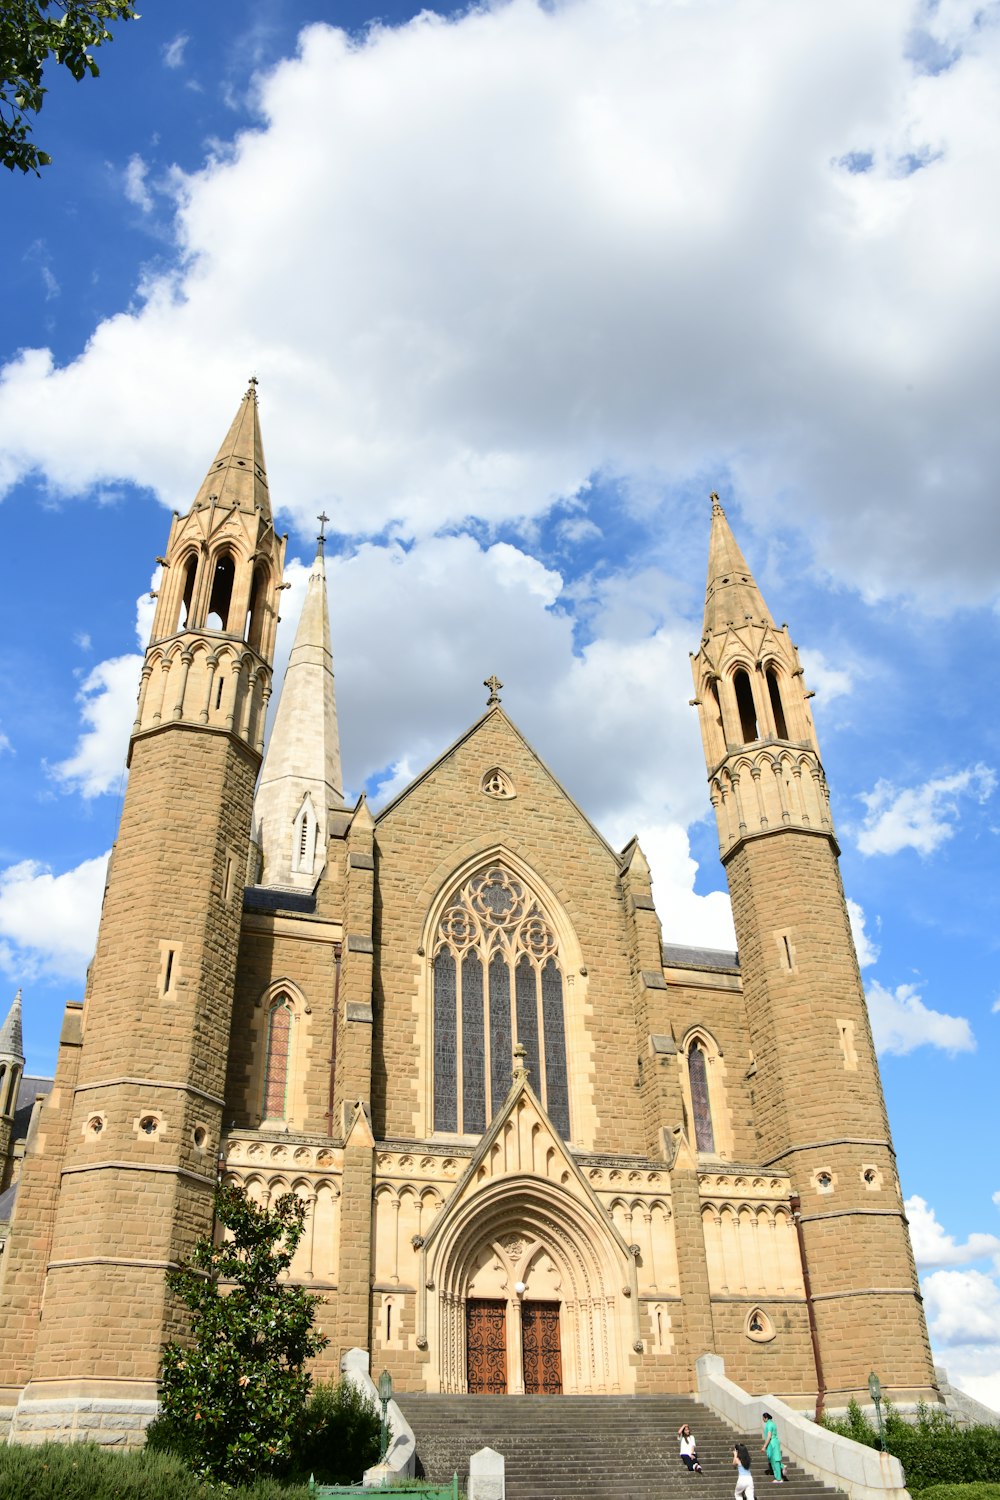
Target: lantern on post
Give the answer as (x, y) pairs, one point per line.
(875, 1391)
(385, 1396)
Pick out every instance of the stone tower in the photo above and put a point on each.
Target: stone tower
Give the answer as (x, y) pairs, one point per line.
(817, 1096)
(143, 1132)
(11, 1070)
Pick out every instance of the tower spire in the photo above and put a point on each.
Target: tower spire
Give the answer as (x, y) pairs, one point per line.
(301, 779)
(237, 476)
(11, 1035)
(732, 598)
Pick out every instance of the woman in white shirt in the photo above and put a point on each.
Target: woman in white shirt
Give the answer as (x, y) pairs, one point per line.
(689, 1450)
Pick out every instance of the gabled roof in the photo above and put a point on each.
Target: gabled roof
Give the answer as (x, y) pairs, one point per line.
(463, 739)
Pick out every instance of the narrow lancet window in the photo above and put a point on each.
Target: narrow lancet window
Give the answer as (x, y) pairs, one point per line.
(279, 1046)
(774, 691)
(187, 593)
(701, 1107)
(254, 633)
(445, 1043)
(745, 704)
(222, 592)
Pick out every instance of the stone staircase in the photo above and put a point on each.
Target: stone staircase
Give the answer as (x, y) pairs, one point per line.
(590, 1447)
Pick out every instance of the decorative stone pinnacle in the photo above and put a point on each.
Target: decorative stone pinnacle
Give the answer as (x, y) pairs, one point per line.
(494, 684)
(321, 539)
(520, 1053)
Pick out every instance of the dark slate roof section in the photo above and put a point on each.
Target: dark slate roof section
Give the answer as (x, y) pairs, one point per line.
(27, 1092)
(7, 1200)
(677, 957)
(272, 898)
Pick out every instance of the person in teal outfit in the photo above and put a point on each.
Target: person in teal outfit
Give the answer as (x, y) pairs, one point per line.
(772, 1446)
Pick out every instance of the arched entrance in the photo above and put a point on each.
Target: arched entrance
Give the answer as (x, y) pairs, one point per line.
(527, 1292)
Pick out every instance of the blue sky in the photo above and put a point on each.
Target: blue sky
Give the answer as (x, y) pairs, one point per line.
(521, 285)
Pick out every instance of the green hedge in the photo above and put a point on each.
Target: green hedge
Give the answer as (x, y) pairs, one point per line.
(961, 1492)
(82, 1471)
(933, 1450)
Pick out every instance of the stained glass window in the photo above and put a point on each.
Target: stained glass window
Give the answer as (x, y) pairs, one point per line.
(493, 922)
(473, 1049)
(556, 1086)
(704, 1135)
(445, 1040)
(279, 1040)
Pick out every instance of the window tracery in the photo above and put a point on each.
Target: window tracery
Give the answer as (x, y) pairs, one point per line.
(497, 981)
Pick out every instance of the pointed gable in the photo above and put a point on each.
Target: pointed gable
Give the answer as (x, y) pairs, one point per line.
(492, 735)
(522, 1142)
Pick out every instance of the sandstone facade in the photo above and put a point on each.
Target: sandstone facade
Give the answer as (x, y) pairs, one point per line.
(539, 1149)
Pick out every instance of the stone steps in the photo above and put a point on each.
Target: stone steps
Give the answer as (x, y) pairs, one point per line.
(589, 1447)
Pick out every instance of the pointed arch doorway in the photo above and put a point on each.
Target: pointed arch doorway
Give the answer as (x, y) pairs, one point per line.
(525, 1288)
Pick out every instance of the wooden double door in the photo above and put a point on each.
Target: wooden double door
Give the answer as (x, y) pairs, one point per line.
(486, 1346)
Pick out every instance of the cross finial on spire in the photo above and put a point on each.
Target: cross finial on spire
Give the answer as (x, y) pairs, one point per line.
(252, 388)
(494, 684)
(716, 504)
(321, 539)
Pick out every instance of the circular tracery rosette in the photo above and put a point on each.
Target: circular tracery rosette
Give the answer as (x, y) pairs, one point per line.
(459, 928)
(497, 898)
(535, 936)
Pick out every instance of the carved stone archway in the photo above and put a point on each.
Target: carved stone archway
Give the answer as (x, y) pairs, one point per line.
(528, 1230)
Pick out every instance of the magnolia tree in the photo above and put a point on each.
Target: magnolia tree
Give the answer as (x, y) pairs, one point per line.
(233, 1397)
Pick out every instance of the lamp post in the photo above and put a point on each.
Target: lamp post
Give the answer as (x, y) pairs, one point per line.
(875, 1391)
(385, 1396)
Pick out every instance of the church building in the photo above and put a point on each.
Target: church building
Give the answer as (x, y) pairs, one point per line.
(540, 1149)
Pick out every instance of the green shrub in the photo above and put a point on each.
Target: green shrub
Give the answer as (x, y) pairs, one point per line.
(82, 1471)
(932, 1449)
(340, 1434)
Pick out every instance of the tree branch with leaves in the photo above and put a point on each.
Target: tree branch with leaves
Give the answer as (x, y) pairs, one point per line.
(32, 31)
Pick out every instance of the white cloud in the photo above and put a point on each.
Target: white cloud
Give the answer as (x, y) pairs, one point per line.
(827, 681)
(865, 947)
(963, 1317)
(134, 183)
(409, 679)
(902, 1022)
(173, 52)
(687, 918)
(933, 1247)
(523, 220)
(921, 817)
(108, 700)
(5, 744)
(48, 922)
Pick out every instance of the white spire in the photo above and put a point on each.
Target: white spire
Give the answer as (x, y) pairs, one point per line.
(11, 1039)
(301, 779)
